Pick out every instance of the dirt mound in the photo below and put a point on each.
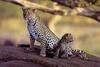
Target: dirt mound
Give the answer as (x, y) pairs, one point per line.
(11, 56)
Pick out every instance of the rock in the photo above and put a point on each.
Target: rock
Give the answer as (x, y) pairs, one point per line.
(17, 57)
(17, 63)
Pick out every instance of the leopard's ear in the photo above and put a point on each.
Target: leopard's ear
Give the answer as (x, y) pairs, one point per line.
(34, 10)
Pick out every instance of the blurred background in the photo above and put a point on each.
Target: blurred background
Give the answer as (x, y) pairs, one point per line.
(86, 31)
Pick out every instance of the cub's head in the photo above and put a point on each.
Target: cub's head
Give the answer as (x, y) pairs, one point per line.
(67, 38)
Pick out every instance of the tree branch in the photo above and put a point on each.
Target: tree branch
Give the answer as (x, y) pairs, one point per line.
(24, 3)
(76, 3)
(78, 11)
(89, 13)
(73, 4)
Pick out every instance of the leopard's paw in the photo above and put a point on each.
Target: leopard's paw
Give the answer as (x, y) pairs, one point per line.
(43, 55)
(67, 55)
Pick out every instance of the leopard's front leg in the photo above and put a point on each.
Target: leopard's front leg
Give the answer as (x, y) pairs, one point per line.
(43, 50)
(32, 41)
(67, 53)
(79, 53)
(75, 53)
